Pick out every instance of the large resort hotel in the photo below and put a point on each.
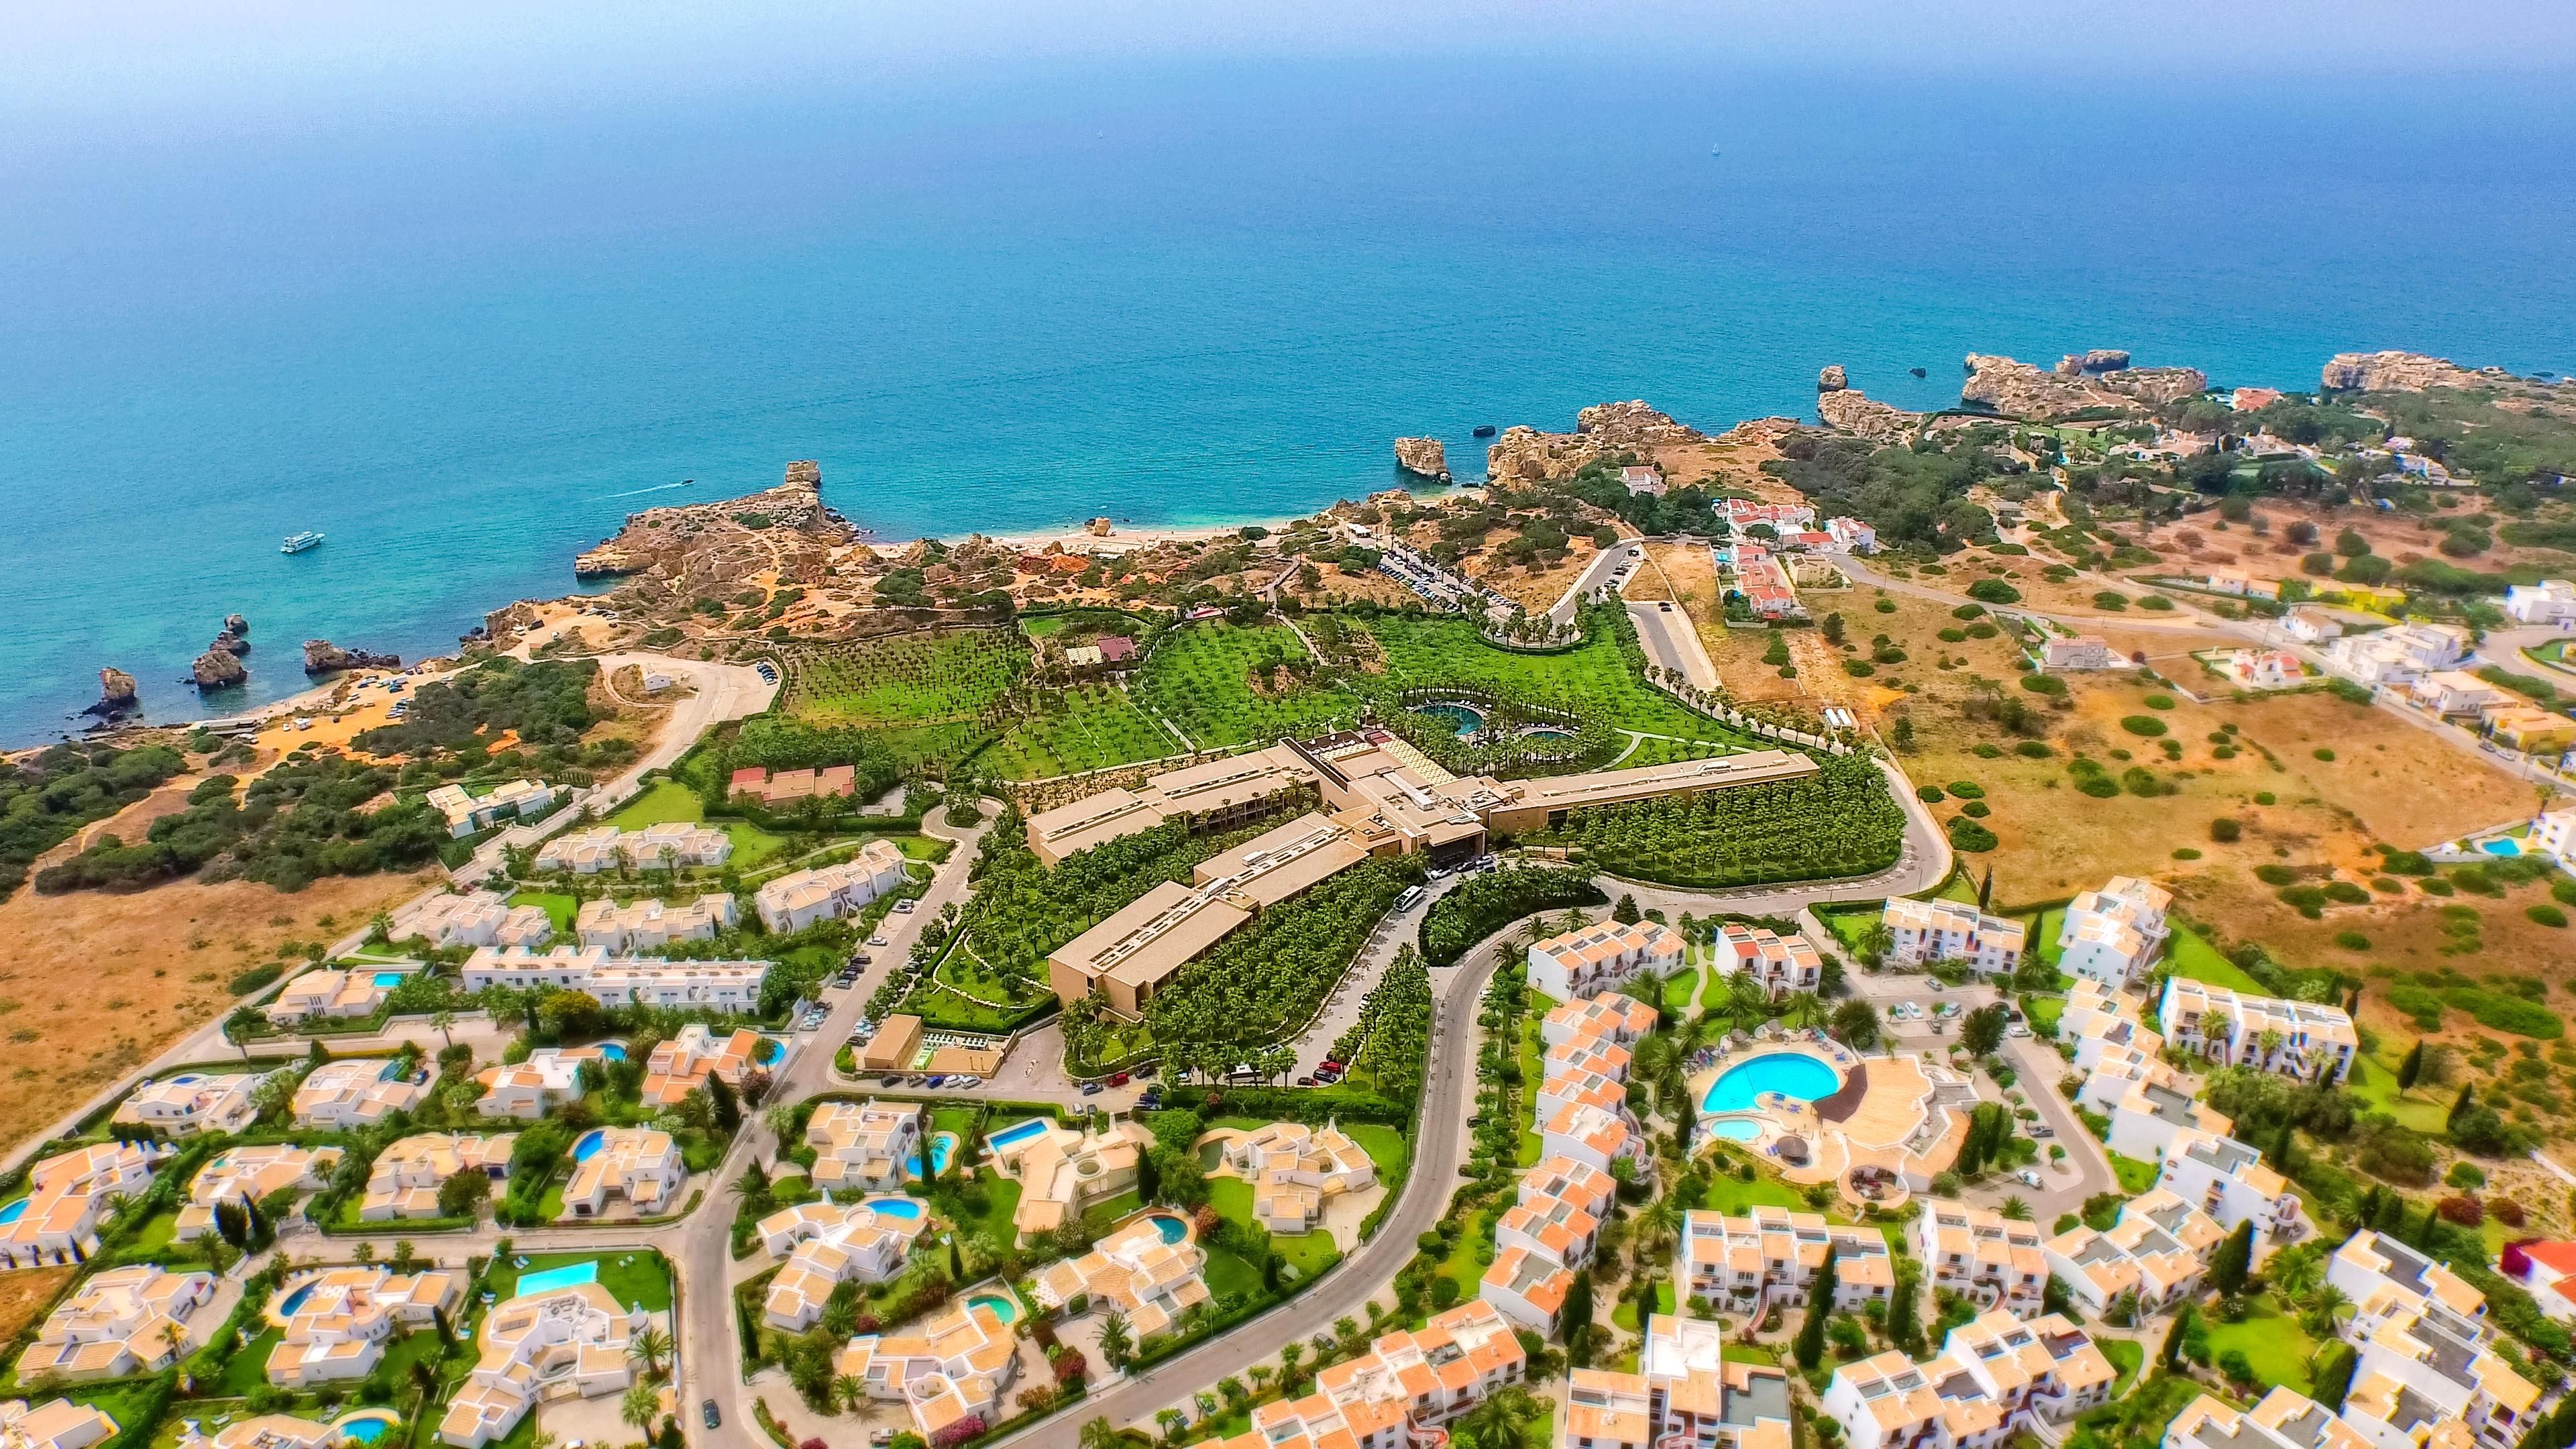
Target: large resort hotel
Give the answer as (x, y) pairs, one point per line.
(1367, 793)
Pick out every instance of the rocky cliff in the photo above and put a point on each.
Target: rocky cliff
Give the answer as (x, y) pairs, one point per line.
(1862, 416)
(1425, 456)
(321, 656)
(2020, 390)
(700, 549)
(2100, 359)
(2405, 372)
(1833, 378)
(1526, 455)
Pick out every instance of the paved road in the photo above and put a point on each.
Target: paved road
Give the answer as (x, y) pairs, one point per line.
(1595, 575)
(1670, 641)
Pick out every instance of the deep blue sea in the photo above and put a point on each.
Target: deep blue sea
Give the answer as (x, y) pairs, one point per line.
(465, 349)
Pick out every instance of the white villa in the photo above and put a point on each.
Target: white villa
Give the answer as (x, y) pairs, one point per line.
(1685, 1391)
(956, 1364)
(568, 1340)
(2114, 934)
(825, 1246)
(241, 1175)
(864, 1145)
(2397, 657)
(2310, 625)
(1148, 1270)
(669, 846)
(619, 930)
(526, 1091)
(69, 1194)
(359, 1092)
(638, 1164)
(2285, 1419)
(2147, 1115)
(1994, 1378)
(2384, 1279)
(119, 1323)
(1294, 1169)
(2292, 1038)
(1401, 1391)
(404, 1180)
(475, 918)
(467, 813)
(826, 893)
(1592, 1136)
(1601, 957)
(1609, 1017)
(56, 1424)
(1061, 1171)
(331, 996)
(1923, 932)
(341, 1318)
(194, 1102)
(2551, 601)
(622, 980)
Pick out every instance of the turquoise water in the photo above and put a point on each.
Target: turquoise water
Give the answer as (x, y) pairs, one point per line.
(551, 1279)
(294, 1301)
(895, 1207)
(943, 1146)
(388, 979)
(1003, 1308)
(13, 1211)
(464, 341)
(365, 1431)
(1793, 1074)
(1460, 718)
(590, 1143)
(1017, 1133)
(612, 1051)
(2501, 847)
(1171, 1228)
(1740, 1129)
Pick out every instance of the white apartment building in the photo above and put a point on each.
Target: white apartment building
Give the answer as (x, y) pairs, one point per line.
(1684, 1392)
(1994, 1378)
(569, 1340)
(1771, 1255)
(2227, 1180)
(1591, 1136)
(1529, 1289)
(622, 980)
(404, 1180)
(824, 1246)
(2397, 657)
(240, 1175)
(2285, 1419)
(68, 1194)
(864, 1146)
(332, 996)
(605, 925)
(1561, 1090)
(191, 1102)
(2114, 934)
(2449, 692)
(120, 1323)
(635, 1163)
(1587, 1054)
(476, 918)
(2298, 1039)
(358, 1092)
(2384, 1280)
(1783, 965)
(2159, 1248)
(2551, 601)
(1923, 932)
(669, 846)
(467, 813)
(2310, 626)
(2427, 1368)
(826, 893)
(1610, 1017)
(1601, 957)
(1295, 1169)
(526, 1091)
(2554, 835)
(1993, 1260)
(2148, 1113)
(1405, 1386)
(55, 1424)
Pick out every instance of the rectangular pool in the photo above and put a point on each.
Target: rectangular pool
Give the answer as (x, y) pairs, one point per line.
(1018, 1132)
(531, 1284)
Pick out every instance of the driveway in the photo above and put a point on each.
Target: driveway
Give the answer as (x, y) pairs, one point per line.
(1670, 641)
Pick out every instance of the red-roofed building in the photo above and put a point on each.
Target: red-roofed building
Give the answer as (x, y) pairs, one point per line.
(2545, 1268)
(1115, 648)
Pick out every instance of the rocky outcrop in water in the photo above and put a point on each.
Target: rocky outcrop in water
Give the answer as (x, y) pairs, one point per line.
(1424, 456)
(696, 549)
(217, 669)
(117, 695)
(2099, 360)
(321, 656)
(1862, 416)
(2020, 390)
(235, 624)
(1833, 378)
(235, 638)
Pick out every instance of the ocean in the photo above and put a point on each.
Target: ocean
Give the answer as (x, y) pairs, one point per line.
(465, 349)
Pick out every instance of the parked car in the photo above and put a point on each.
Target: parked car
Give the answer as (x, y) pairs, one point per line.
(2029, 1179)
(903, 907)
(2017, 1029)
(1118, 1080)
(1305, 1081)
(1091, 1089)
(965, 1081)
(1146, 1072)
(895, 1080)
(937, 1080)
(878, 939)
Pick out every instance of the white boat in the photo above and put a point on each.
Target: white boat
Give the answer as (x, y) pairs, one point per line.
(299, 542)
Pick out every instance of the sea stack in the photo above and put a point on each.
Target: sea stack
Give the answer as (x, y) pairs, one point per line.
(1425, 456)
(1833, 378)
(217, 669)
(235, 638)
(116, 694)
(321, 656)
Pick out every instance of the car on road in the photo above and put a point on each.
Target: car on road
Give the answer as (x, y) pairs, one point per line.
(2043, 1130)
(2029, 1179)
(903, 907)
(2017, 1030)
(707, 1411)
(1118, 1080)
(1662, 607)
(878, 939)
(1305, 1081)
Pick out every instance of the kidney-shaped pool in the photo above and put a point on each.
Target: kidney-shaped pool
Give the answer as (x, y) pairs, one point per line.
(1792, 1074)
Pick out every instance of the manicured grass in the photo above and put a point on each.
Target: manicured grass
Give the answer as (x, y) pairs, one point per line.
(1847, 927)
(1308, 1253)
(1200, 678)
(2042, 933)
(2194, 958)
(1100, 1215)
(2126, 1356)
(1231, 1197)
(1385, 1146)
(1533, 1073)
(1625, 1315)
(1728, 1193)
(248, 1369)
(2275, 1344)
(669, 801)
(1680, 991)
(1227, 1273)
(636, 1278)
(1592, 678)
(2375, 1082)
(2135, 1176)
(1083, 728)
(2045, 1012)
(559, 909)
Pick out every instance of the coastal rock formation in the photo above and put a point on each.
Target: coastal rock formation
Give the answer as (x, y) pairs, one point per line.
(1425, 456)
(703, 549)
(217, 669)
(503, 625)
(2018, 389)
(1632, 425)
(1833, 378)
(2100, 359)
(235, 624)
(235, 638)
(1865, 417)
(116, 694)
(321, 656)
(1526, 455)
(2405, 372)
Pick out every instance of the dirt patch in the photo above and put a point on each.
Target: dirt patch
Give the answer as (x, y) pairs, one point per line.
(27, 1293)
(92, 985)
(1732, 461)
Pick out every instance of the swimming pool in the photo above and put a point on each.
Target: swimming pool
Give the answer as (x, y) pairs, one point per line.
(566, 1276)
(387, 979)
(895, 1207)
(612, 1051)
(2501, 847)
(589, 1143)
(1003, 1308)
(294, 1301)
(1017, 1133)
(13, 1211)
(943, 1146)
(365, 1428)
(1464, 720)
(1738, 1129)
(1172, 1228)
(1792, 1074)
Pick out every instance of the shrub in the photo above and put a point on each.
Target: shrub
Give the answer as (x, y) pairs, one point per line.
(2549, 916)
(2326, 755)
(1968, 836)
(255, 978)
(1967, 790)
(2110, 602)
(2043, 684)
(2263, 797)
(2346, 893)
(1979, 810)
(1859, 668)
(2435, 886)
(1885, 606)
(2225, 830)
(2145, 726)
(2465, 1175)
(2185, 852)
(1967, 611)
(1982, 631)
(2155, 603)
(2352, 940)
(2032, 749)
(1987, 750)
(1929, 794)
(1953, 636)
(2306, 900)
(2159, 701)
(2272, 873)
(2462, 1208)
(1994, 591)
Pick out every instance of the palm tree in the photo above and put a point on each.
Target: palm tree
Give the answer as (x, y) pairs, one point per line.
(444, 1020)
(1657, 1226)
(639, 1405)
(2017, 1210)
(1101, 1434)
(2297, 1274)
(647, 1349)
(1803, 1006)
(850, 1390)
(2320, 1317)
(1116, 1345)
(1496, 1423)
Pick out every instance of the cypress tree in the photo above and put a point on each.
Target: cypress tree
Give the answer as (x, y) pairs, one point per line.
(1904, 1320)
(2468, 1098)
(2234, 1259)
(228, 1223)
(1574, 1325)
(720, 1096)
(2411, 1068)
(2334, 1379)
(1820, 1306)
(2171, 1355)
(2279, 1155)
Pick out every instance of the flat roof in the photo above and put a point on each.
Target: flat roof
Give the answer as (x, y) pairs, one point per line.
(1599, 787)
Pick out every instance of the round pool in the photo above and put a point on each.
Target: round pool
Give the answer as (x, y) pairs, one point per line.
(294, 1301)
(1792, 1074)
(1003, 1308)
(589, 1143)
(1171, 1228)
(1463, 719)
(895, 1207)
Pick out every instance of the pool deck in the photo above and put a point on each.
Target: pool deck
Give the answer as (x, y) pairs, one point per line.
(1886, 1116)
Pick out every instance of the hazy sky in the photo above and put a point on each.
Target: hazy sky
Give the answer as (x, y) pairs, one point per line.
(143, 65)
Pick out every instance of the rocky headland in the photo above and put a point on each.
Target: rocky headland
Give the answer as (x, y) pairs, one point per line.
(1526, 455)
(786, 528)
(1854, 412)
(321, 656)
(2019, 389)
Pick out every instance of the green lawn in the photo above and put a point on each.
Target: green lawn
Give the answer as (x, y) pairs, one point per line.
(2135, 1176)
(904, 679)
(1680, 991)
(2275, 1344)
(1847, 927)
(2126, 1356)
(1308, 1253)
(1728, 1193)
(1592, 678)
(639, 1278)
(668, 801)
(2044, 1013)
(248, 1369)
(1625, 1315)
(1386, 1146)
(2375, 1082)
(559, 909)
(1533, 1072)
(1227, 1273)
(2193, 958)
(1083, 728)
(2042, 933)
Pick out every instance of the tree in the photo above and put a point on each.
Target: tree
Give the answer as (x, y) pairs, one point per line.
(1626, 913)
(1904, 1316)
(639, 1404)
(1574, 1322)
(1101, 1434)
(445, 1021)
(1855, 1023)
(1982, 1030)
(463, 1193)
(1810, 1345)
(2460, 1105)
(647, 1350)
(1117, 1346)
(2334, 1377)
(728, 1107)
(1501, 1419)
(2234, 1259)
(2171, 1355)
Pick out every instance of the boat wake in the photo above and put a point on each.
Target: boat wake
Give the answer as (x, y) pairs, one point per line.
(656, 488)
